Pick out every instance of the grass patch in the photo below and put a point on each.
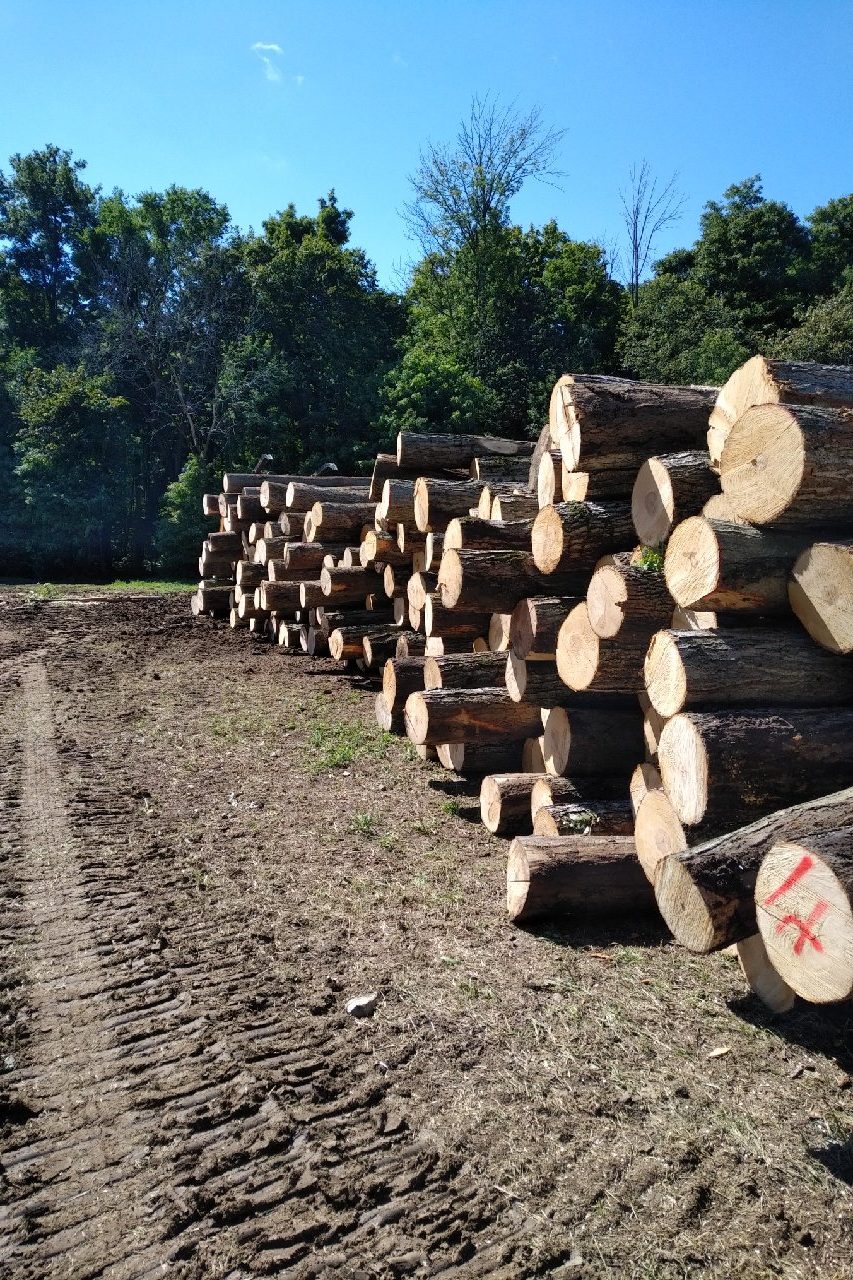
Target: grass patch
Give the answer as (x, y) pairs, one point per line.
(364, 824)
(120, 586)
(334, 745)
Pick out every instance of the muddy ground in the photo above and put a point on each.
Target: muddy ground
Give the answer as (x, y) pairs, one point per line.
(207, 848)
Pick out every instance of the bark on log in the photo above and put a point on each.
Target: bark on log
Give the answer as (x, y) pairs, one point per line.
(210, 504)
(472, 533)
(548, 790)
(464, 671)
(586, 876)
(587, 662)
(762, 381)
(226, 544)
(302, 495)
(400, 677)
(378, 646)
(667, 490)
(714, 565)
(598, 486)
(624, 594)
(601, 423)
(726, 768)
(282, 596)
(535, 624)
(437, 502)
(249, 575)
(706, 894)
(397, 502)
(318, 643)
(433, 547)
(340, 522)
(789, 466)
(587, 741)
(549, 478)
(495, 468)
(453, 624)
(578, 818)
(381, 547)
(820, 592)
(575, 535)
(425, 452)
(747, 667)
(511, 507)
(658, 834)
(214, 598)
(804, 907)
(468, 715)
(495, 581)
(473, 760)
(348, 586)
(505, 803)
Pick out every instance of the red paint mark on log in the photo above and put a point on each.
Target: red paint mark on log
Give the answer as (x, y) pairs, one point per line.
(805, 864)
(805, 928)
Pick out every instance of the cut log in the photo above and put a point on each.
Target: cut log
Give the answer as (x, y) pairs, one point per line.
(473, 760)
(714, 565)
(475, 534)
(602, 423)
(378, 646)
(410, 540)
(587, 662)
(419, 586)
(667, 490)
(658, 835)
(433, 547)
(495, 468)
(535, 624)
(762, 977)
(411, 645)
(340, 522)
(392, 721)
(510, 507)
(762, 381)
(214, 598)
(400, 677)
(249, 507)
(536, 682)
(548, 790)
(597, 486)
(644, 779)
(746, 667)
(726, 768)
(210, 504)
(549, 479)
(589, 741)
(346, 643)
(468, 715)
(464, 671)
(397, 502)
(586, 876)
(789, 466)
(229, 544)
(622, 593)
(498, 636)
(311, 595)
(381, 547)
(706, 894)
(281, 596)
(804, 907)
(348, 586)
(505, 803)
(426, 452)
(495, 581)
(249, 576)
(317, 645)
(533, 755)
(453, 624)
(395, 582)
(302, 495)
(437, 502)
(820, 592)
(575, 535)
(579, 818)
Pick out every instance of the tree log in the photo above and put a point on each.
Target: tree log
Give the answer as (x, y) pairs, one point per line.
(597, 486)
(622, 593)
(820, 592)
(511, 507)
(468, 715)
(746, 667)
(493, 467)
(410, 645)
(473, 760)
(585, 661)
(549, 478)
(587, 741)
(475, 534)
(667, 490)
(587, 876)
(465, 671)
(498, 636)
(397, 502)
(433, 547)
(423, 453)
(714, 565)
(284, 596)
(437, 502)
(382, 547)
(419, 586)
(548, 790)
(579, 818)
(602, 423)
(495, 581)
(706, 894)
(400, 677)
(249, 576)
(533, 755)
(535, 624)
(348, 586)
(340, 522)
(762, 381)
(644, 779)
(575, 535)
(505, 803)
(378, 646)
(804, 907)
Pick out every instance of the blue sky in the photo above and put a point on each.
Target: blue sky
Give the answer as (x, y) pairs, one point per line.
(345, 94)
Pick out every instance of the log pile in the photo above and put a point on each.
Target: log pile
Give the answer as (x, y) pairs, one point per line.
(633, 633)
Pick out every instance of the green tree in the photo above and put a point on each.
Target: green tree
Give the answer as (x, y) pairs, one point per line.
(179, 522)
(46, 211)
(825, 331)
(831, 227)
(678, 333)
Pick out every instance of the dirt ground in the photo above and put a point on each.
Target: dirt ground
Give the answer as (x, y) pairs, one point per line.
(207, 848)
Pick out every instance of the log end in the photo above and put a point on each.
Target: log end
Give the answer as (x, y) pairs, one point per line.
(577, 649)
(683, 764)
(417, 718)
(653, 503)
(692, 563)
(546, 540)
(696, 918)
(665, 676)
(762, 462)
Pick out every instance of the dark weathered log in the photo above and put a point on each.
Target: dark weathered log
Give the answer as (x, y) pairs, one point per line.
(210, 504)
(400, 677)
(667, 490)
(726, 768)
(475, 534)
(495, 581)
(249, 506)
(464, 671)
(583, 818)
(473, 760)
(549, 790)
(378, 646)
(214, 598)
(426, 452)
(349, 586)
(317, 645)
(623, 593)
(598, 486)
(433, 547)
(226, 544)
(583, 741)
(495, 468)
(715, 565)
(804, 907)
(575, 535)
(535, 624)
(575, 875)
(602, 423)
(789, 466)
(410, 645)
(468, 715)
(706, 894)
(410, 540)
(505, 803)
(249, 575)
(762, 381)
(820, 592)
(390, 719)
(458, 624)
(588, 662)
(437, 502)
(751, 666)
(511, 507)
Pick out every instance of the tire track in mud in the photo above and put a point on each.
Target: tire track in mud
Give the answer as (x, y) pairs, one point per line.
(193, 1112)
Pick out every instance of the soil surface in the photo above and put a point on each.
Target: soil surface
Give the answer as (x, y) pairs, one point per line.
(206, 849)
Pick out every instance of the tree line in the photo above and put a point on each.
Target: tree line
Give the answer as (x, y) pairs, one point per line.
(146, 342)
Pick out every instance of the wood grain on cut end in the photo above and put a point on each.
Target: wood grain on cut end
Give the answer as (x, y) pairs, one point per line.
(692, 561)
(505, 802)
(683, 766)
(657, 833)
(577, 649)
(666, 679)
(556, 740)
(763, 979)
(820, 592)
(546, 539)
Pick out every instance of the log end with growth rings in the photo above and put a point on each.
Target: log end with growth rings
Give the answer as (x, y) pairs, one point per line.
(821, 594)
(762, 462)
(683, 764)
(692, 562)
(697, 917)
(665, 676)
(577, 649)
(653, 503)
(546, 540)
(657, 832)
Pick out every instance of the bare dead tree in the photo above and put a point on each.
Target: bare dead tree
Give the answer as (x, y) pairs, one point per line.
(647, 207)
